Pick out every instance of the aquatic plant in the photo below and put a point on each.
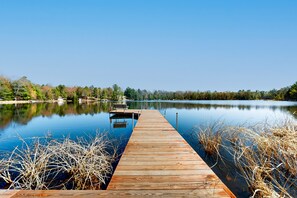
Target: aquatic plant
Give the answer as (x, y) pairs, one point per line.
(87, 163)
(54, 164)
(265, 156)
(210, 137)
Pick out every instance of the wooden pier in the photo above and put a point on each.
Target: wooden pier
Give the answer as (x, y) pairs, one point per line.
(158, 158)
(157, 162)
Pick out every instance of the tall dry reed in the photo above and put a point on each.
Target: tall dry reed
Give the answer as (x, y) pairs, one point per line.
(211, 136)
(53, 164)
(265, 156)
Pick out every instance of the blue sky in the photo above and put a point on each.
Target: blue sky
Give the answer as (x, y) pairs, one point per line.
(155, 44)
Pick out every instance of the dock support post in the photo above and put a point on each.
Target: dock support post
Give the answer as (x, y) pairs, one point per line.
(176, 121)
(132, 120)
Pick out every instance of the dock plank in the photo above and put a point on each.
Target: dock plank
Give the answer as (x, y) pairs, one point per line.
(200, 193)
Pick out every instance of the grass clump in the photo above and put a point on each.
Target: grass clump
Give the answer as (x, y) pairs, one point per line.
(53, 164)
(265, 156)
(210, 138)
(280, 146)
(88, 164)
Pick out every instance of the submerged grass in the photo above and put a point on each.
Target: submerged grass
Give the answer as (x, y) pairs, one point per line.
(53, 164)
(265, 156)
(211, 138)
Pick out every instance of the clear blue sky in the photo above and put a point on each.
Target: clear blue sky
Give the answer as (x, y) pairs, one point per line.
(154, 44)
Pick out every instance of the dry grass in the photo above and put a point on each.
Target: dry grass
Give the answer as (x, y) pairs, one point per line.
(210, 137)
(65, 164)
(89, 164)
(280, 146)
(265, 156)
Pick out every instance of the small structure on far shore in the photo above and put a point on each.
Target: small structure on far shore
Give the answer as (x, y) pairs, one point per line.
(60, 100)
(120, 106)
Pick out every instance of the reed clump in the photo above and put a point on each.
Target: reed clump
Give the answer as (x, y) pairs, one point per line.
(53, 164)
(280, 146)
(89, 164)
(265, 156)
(211, 137)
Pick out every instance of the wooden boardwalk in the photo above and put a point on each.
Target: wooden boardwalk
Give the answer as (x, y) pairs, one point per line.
(157, 162)
(158, 158)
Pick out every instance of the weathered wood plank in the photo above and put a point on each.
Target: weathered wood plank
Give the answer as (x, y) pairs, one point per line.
(157, 149)
(168, 186)
(164, 167)
(165, 172)
(200, 193)
(8, 193)
(162, 162)
(162, 178)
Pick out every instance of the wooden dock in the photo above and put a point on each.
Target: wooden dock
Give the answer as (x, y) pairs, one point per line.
(158, 158)
(157, 162)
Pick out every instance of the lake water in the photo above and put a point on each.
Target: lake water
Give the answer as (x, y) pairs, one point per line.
(82, 120)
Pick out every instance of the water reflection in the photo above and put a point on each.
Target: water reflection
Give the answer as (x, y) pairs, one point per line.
(24, 113)
(290, 107)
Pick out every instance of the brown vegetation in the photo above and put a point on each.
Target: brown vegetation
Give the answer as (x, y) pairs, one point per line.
(56, 164)
(265, 156)
(211, 138)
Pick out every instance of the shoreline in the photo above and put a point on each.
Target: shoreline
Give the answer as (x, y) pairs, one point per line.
(105, 100)
(46, 101)
(26, 101)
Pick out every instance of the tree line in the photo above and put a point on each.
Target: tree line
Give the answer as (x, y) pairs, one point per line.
(24, 89)
(287, 93)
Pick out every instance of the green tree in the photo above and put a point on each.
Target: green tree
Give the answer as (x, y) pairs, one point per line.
(96, 93)
(39, 94)
(59, 91)
(21, 89)
(6, 91)
(130, 93)
(86, 92)
(79, 92)
(292, 93)
(116, 93)
(104, 94)
(47, 91)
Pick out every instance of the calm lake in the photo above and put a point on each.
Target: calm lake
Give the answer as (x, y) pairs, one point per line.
(28, 121)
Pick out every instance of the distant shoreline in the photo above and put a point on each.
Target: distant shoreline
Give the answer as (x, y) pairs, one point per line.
(46, 101)
(26, 101)
(90, 101)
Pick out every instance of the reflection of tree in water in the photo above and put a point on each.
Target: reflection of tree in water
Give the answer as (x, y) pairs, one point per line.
(185, 105)
(292, 110)
(179, 105)
(23, 113)
(6, 115)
